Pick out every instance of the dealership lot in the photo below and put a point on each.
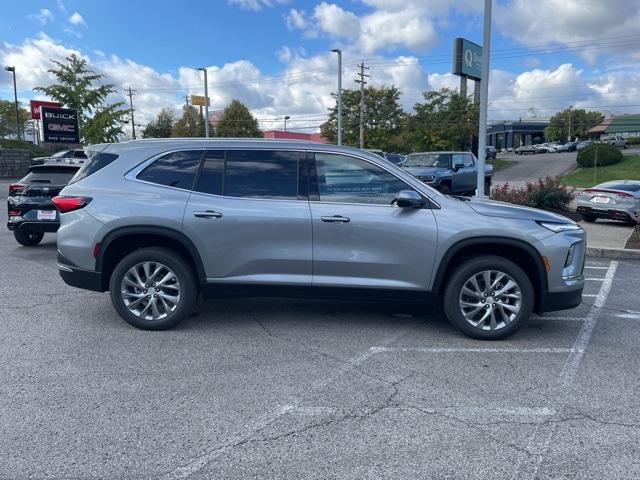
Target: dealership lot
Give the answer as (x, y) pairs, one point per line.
(277, 388)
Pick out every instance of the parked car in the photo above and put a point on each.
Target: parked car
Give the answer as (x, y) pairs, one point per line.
(616, 141)
(76, 156)
(584, 144)
(395, 158)
(157, 222)
(377, 151)
(526, 149)
(448, 172)
(567, 147)
(31, 212)
(491, 152)
(615, 200)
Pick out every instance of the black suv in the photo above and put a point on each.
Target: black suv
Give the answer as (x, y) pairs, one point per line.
(31, 211)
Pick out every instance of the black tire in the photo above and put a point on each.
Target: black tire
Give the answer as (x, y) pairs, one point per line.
(588, 218)
(476, 265)
(444, 189)
(487, 187)
(185, 276)
(28, 239)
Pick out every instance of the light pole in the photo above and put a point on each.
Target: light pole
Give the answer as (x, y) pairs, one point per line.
(339, 52)
(206, 104)
(484, 97)
(286, 117)
(15, 96)
(569, 136)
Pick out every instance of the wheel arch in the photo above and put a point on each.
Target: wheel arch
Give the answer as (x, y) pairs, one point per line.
(520, 252)
(125, 240)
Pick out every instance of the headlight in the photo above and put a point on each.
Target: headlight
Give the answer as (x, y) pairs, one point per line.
(560, 227)
(428, 178)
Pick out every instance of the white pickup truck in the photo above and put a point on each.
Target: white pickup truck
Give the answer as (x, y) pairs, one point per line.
(616, 141)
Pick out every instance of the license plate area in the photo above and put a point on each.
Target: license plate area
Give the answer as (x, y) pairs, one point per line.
(601, 199)
(47, 214)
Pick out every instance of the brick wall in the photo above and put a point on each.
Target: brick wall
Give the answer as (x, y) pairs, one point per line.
(14, 163)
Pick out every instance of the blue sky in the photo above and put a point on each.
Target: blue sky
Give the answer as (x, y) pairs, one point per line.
(541, 63)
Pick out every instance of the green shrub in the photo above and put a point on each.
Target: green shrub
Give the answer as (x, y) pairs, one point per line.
(606, 155)
(35, 150)
(634, 140)
(546, 193)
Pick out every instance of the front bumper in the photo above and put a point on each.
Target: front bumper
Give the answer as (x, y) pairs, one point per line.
(79, 277)
(553, 301)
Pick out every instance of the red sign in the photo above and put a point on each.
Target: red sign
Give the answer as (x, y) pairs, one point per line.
(36, 104)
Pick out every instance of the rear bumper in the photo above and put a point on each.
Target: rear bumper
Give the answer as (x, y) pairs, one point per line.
(44, 227)
(553, 301)
(79, 277)
(613, 214)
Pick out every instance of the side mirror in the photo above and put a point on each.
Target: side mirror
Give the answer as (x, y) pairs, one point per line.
(409, 199)
(458, 163)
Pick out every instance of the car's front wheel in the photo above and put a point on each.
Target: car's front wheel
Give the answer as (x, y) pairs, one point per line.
(153, 288)
(28, 239)
(488, 297)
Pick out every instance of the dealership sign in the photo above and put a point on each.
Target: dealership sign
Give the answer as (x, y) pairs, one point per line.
(467, 59)
(36, 104)
(59, 125)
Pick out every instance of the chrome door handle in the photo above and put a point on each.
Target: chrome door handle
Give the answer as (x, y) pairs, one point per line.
(335, 219)
(207, 214)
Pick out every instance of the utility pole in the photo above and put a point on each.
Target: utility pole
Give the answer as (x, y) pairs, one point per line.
(186, 100)
(133, 123)
(206, 103)
(339, 52)
(362, 83)
(15, 96)
(484, 98)
(569, 138)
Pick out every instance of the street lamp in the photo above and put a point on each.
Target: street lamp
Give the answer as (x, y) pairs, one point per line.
(206, 104)
(286, 117)
(339, 52)
(15, 96)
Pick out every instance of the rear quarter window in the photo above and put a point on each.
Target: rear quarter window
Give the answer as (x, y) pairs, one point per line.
(95, 162)
(176, 169)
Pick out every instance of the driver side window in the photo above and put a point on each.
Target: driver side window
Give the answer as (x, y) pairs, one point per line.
(344, 179)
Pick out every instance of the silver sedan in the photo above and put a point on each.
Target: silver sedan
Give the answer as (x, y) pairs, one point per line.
(615, 200)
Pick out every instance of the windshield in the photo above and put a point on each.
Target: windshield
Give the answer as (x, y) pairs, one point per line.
(61, 153)
(427, 160)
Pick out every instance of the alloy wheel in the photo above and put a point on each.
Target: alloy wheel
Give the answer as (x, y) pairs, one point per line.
(150, 290)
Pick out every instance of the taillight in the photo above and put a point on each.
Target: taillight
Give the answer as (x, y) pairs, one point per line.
(15, 213)
(16, 188)
(624, 195)
(69, 204)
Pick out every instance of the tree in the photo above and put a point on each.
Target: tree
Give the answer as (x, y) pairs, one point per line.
(162, 126)
(190, 124)
(581, 122)
(8, 118)
(237, 121)
(384, 119)
(445, 120)
(98, 121)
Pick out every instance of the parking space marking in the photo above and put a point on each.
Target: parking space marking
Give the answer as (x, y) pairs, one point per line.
(629, 316)
(590, 295)
(198, 463)
(467, 411)
(468, 350)
(594, 279)
(559, 319)
(540, 440)
(596, 267)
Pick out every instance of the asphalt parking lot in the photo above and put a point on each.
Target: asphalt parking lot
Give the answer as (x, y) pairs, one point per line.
(276, 388)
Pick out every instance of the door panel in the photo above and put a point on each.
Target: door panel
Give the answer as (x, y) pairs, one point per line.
(260, 232)
(367, 242)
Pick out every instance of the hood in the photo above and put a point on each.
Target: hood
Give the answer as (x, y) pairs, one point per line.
(493, 208)
(424, 171)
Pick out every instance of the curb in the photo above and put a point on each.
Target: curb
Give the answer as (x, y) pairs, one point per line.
(613, 253)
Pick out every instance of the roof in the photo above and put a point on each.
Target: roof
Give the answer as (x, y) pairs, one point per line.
(619, 124)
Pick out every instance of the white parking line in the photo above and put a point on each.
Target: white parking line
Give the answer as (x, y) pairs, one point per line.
(559, 319)
(594, 279)
(590, 295)
(374, 350)
(596, 268)
(539, 442)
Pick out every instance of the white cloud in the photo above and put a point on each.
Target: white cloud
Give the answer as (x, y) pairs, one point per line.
(43, 16)
(61, 6)
(76, 19)
(296, 19)
(256, 5)
(336, 21)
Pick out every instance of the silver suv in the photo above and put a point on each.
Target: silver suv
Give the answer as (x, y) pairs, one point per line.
(158, 222)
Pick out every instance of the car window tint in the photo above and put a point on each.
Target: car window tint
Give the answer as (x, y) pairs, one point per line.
(627, 187)
(210, 177)
(351, 180)
(177, 169)
(97, 162)
(80, 154)
(262, 174)
(468, 161)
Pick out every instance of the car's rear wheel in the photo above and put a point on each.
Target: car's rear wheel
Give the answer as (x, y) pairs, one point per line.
(588, 218)
(28, 239)
(153, 288)
(488, 297)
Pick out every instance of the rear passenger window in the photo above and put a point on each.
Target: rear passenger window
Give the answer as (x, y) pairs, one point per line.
(262, 174)
(177, 169)
(210, 178)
